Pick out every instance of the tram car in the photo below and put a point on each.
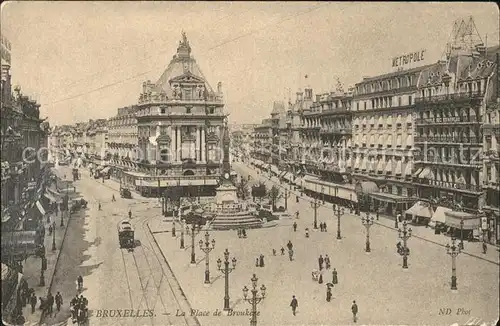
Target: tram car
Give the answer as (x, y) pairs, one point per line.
(126, 234)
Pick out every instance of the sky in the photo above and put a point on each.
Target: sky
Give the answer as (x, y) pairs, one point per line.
(83, 60)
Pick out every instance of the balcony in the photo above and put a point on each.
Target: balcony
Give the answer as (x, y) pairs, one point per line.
(445, 121)
(335, 130)
(453, 98)
(449, 185)
(448, 139)
(428, 159)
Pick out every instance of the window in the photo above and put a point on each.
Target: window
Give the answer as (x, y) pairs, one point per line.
(488, 173)
(162, 110)
(357, 106)
(188, 110)
(410, 192)
(211, 110)
(400, 191)
(410, 100)
(364, 105)
(399, 101)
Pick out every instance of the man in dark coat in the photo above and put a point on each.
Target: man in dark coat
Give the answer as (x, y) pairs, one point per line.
(294, 304)
(294, 226)
(320, 262)
(289, 245)
(50, 303)
(354, 309)
(335, 279)
(261, 260)
(33, 302)
(59, 301)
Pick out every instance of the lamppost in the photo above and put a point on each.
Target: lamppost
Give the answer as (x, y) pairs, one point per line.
(286, 195)
(183, 227)
(461, 233)
(226, 270)
(315, 205)
(339, 212)
(405, 235)
(193, 232)
(173, 218)
(206, 249)
(53, 236)
(367, 222)
(255, 299)
(396, 221)
(453, 251)
(42, 270)
(323, 194)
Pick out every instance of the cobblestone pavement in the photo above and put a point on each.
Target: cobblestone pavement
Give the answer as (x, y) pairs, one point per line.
(385, 293)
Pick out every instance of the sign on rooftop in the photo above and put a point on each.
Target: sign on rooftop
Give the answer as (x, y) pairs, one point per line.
(408, 60)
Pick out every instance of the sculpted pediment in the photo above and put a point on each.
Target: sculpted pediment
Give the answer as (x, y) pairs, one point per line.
(187, 77)
(163, 139)
(212, 137)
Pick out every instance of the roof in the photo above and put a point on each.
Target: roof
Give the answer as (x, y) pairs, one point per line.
(396, 73)
(181, 64)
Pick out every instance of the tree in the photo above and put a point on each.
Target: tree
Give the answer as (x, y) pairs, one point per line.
(259, 190)
(242, 189)
(274, 194)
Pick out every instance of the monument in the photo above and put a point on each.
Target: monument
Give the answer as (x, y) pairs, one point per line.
(230, 213)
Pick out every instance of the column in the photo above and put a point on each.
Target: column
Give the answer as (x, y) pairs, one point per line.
(173, 154)
(197, 146)
(203, 145)
(178, 138)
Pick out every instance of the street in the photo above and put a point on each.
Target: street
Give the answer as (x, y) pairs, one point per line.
(385, 293)
(116, 279)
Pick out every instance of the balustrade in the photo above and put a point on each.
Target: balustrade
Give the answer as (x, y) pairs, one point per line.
(449, 97)
(448, 139)
(434, 159)
(449, 185)
(446, 120)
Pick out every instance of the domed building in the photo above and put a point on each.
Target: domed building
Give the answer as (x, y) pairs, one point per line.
(180, 122)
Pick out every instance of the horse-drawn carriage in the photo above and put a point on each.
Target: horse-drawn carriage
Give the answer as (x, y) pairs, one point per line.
(78, 204)
(125, 193)
(79, 313)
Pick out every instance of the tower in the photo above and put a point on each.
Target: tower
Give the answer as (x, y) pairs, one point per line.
(226, 166)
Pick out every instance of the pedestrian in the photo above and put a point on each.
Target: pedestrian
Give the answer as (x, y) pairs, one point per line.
(50, 229)
(294, 226)
(290, 254)
(294, 304)
(129, 213)
(335, 279)
(320, 262)
(33, 302)
(244, 232)
(261, 262)
(324, 226)
(327, 262)
(50, 303)
(99, 205)
(113, 198)
(257, 262)
(59, 301)
(354, 309)
(80, 282)
(485, 248)
(320, 279)
(274, 252)
(239, 233)
(289, 245)
(328, 293)
(282, 251)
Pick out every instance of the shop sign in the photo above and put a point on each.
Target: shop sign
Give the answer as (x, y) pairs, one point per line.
(484, 223)
(405, 60)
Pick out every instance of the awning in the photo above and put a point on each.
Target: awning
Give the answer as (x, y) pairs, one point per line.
(381, 120)
(381, 140)
(420, 209)
(380, 165)
(390, 198)
(366, 187)
(50, 197)
(349, 162)
(40, 207)
(417, 173)
(409, 119)
(274, 169)
(399, 169)
(426, 172)
(19, 243)
(349, 142)
(356, 162)
(398, 140)
(106, 170)
(372, 165)
(409, 141)
(389, 120)
(388, 141)
(198, 182)
(348, 194)
(282, 174)
(364, 164)
(408, 168)
(363, 139)
(470, 221)
(372, 120)
(372, 139)
(439, 214)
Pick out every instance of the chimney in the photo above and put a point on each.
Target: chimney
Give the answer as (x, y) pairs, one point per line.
(144, 87)
(366, 77)
(308, 94)
(299, 95)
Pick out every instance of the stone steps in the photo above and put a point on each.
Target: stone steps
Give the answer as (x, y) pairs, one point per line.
(233, 222)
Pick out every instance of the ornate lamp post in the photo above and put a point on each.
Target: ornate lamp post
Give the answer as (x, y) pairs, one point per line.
(339, 212)
(453, 251)
(226, 270)
(173, 219)
(315, 205)
(206, 249)
(367, 222)
(183, 227)
(323, 194)
(53, 236)
(461, 233)
(255, 299)
(193, 232)
(405, 235)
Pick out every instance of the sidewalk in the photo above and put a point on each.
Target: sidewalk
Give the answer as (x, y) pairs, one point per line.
(32, 266)
(473, 249)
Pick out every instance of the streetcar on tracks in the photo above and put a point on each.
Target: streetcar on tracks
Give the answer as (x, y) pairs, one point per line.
(126, 234)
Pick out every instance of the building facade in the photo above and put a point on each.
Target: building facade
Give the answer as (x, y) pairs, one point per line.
(179, 129)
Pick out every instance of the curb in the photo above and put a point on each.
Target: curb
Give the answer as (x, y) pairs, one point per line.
(391, 228)
(173, 274)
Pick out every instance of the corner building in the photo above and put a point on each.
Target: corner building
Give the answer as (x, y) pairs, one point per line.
(180, 126)
(382, 147)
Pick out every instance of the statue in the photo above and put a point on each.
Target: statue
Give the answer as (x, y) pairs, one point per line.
(184, 38)
(200, 93)
(219, 87)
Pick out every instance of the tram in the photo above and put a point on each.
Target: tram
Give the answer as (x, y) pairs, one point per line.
(126, 234)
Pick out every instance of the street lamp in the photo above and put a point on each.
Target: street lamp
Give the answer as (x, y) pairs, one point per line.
(206, 249)
(173, 219)
(461, 233)
(183, 227)
(405, 235)
(339, 212)
(315, 204)
(453, 251)
(42, 270)
(53, 236)
(193, 232)
(255, 299)
(367, 222)
(226, 270)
